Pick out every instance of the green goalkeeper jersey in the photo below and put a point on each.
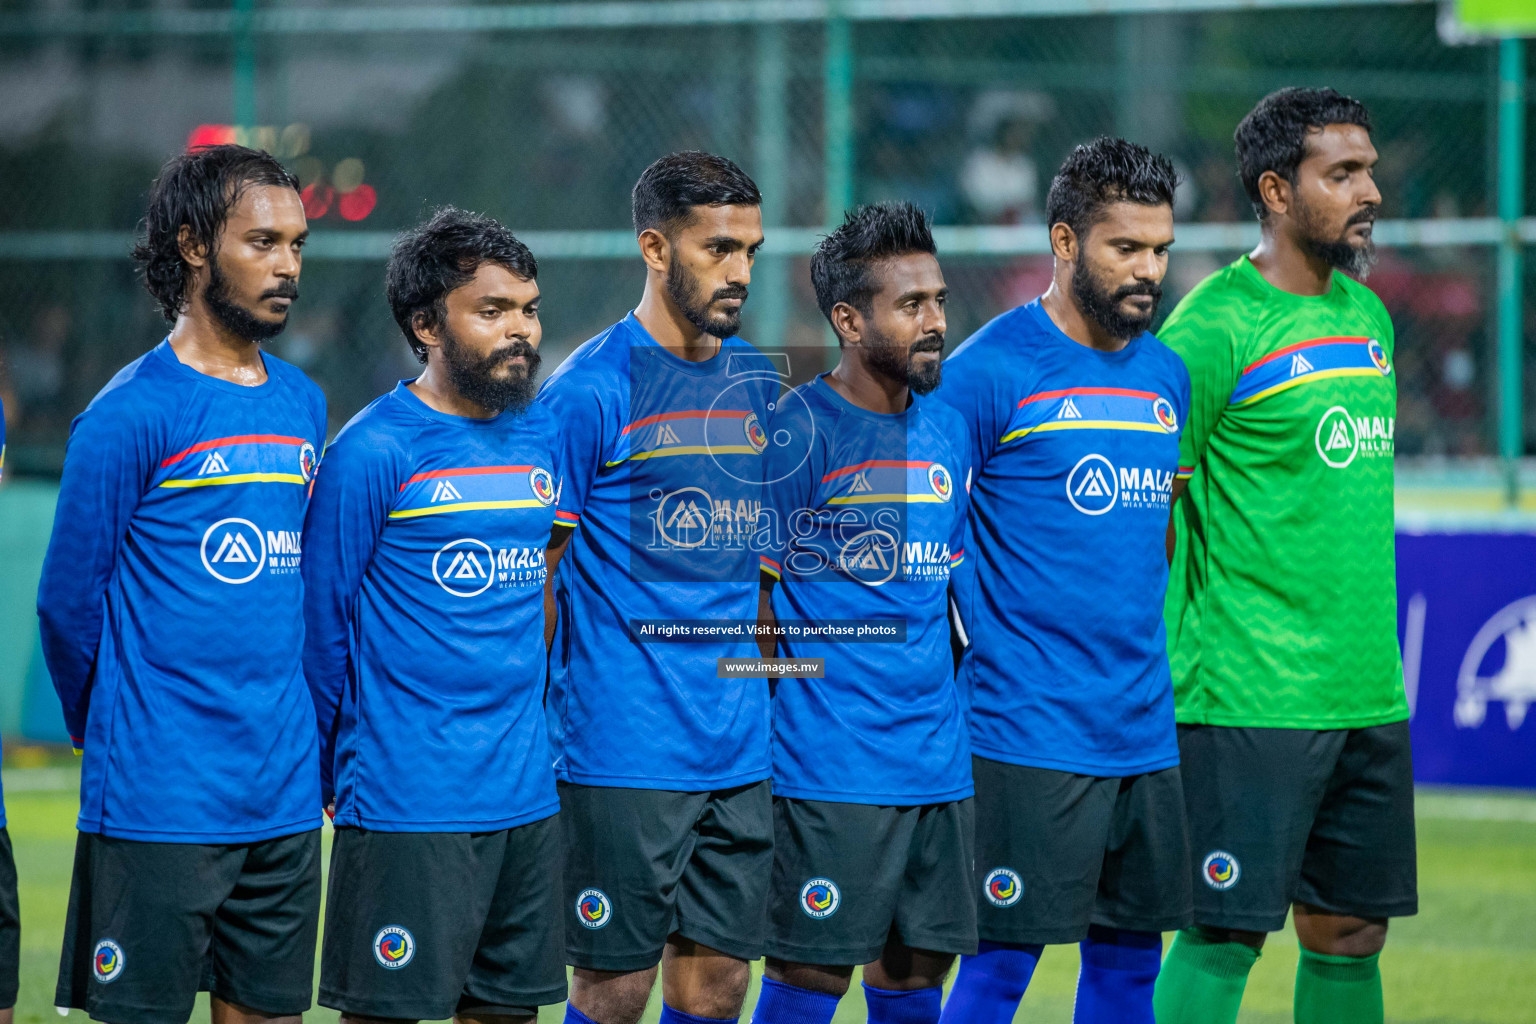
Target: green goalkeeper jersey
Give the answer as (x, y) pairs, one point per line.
(1282, 601)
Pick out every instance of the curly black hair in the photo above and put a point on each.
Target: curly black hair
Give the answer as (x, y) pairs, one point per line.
(1104, 171)
(670, 188)
(1273, 135)
(432, 259)
(840, 266)
(196, 189)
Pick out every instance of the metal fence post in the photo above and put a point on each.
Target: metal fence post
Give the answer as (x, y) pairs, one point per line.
(1511, 268)
(771, 155)
(837, 117)
(242, 31)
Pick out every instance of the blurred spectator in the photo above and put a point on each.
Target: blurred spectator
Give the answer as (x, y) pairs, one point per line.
(35, 368)
(1000, 179)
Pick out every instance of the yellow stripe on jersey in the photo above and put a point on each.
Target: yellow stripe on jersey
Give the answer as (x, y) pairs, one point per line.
(238, 478)
(466, 506)
(866, 499)
(1154, 428)
(692, 449)
(1348, 371)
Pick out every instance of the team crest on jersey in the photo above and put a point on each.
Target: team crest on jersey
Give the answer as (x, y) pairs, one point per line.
(938, 479)
(1163, 410)
(820, 898)
(543, 485)
(756, 437)
(393, 947)
(1002, 887)
(107, 961)
(593, 908)
(1220, 870)
(1378, 356)
(307, 461)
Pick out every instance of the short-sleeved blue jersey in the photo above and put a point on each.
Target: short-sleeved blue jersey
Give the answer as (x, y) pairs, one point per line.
(663, 484)
(1075, 453)
(424, 597)
(869, 511)
(172, 605)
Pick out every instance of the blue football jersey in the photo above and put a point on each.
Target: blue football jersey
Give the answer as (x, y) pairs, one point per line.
(171, 603)
(424, 596)
(869, 512)
(1075, 453)
(663, 485)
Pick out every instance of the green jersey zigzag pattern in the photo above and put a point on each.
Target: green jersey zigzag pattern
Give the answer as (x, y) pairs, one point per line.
(1282, 601)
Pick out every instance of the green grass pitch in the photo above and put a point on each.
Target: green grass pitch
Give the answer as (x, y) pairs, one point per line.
(1470, 955)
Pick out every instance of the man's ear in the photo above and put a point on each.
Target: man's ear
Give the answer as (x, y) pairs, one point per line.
(426, 332)
(848, 323)
(195, 253)
(1064, 242)
(655, 249)
(1275, 192)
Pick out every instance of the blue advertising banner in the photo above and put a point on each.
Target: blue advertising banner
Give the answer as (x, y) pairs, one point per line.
(1467, 618)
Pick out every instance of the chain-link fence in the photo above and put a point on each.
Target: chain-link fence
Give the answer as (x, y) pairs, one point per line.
(544, 114)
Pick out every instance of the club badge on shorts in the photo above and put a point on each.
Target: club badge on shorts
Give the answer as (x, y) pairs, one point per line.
(107, 961)
(393, 947)
(1220, 870)
(1002, 887)
(819, 898)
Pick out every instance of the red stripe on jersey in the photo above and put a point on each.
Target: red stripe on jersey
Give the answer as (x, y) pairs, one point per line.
(223, 442)
(1046, 396)
(875, 464)
(689, 414)
(1312, 343)
(468, 471)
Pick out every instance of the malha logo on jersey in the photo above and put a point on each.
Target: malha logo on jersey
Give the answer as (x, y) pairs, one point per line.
(1163, 410)
(307, 461)
(819, 898)
(393, 947)
(464, 567)
(1092, 487)
(593, 908)
(107, 961)
(234, 550)
(938, 479)
(1002, 887)
(543, 485)
(1220, 870)
(1378, 356)
(754, 431)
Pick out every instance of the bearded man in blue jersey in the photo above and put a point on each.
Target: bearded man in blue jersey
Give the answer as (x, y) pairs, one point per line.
(871, 763)
(1073, 412)
(172, 623)
(424, 589)
(662, 758)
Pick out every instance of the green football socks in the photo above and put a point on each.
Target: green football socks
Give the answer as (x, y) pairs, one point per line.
(1202, 980)
(1338, 989)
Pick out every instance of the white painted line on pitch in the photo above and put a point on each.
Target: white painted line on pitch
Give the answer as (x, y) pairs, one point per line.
(42, 780)
(1444, 807)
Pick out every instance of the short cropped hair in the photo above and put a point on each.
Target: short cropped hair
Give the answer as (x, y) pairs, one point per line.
(670, 188)
(432, 259)
(1105, 171)
(842, 265)
(1273, 136)
(196, 189)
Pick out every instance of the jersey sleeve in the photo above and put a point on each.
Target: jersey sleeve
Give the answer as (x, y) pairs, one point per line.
(973, 392)
(1209, 353)
(963, 473)
(790, 474)
(354, 488)
(581, 443)
(111, 455)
